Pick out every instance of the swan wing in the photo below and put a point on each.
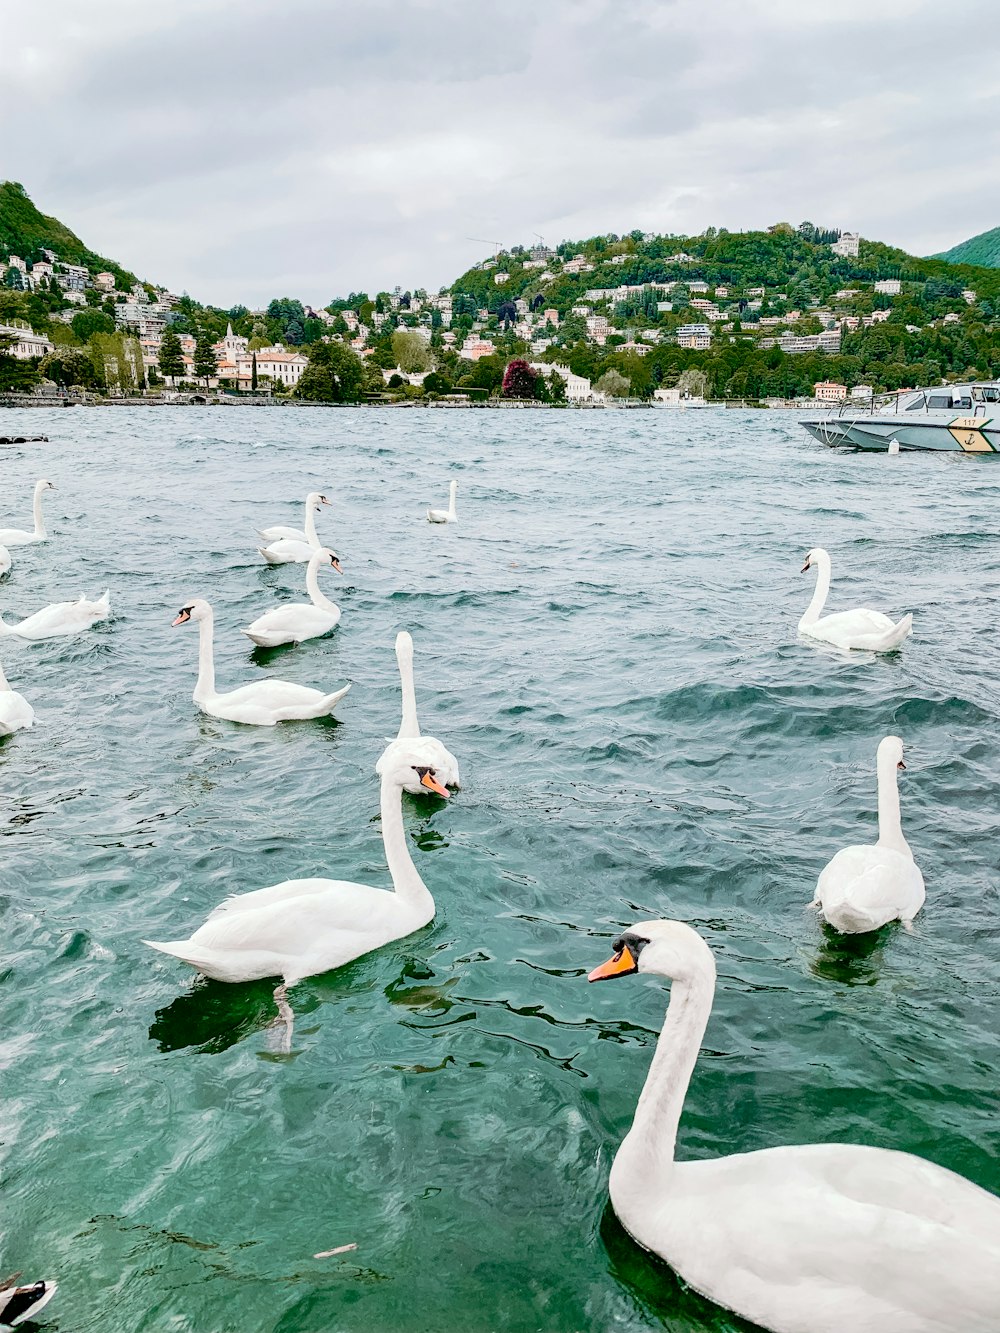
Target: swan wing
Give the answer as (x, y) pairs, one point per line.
(299, 620)
(267, 702)
(287, 552)
(15, 537)
(277, 534)
(15, 712)
(860, 628)
(862, 888)
(830, 1237)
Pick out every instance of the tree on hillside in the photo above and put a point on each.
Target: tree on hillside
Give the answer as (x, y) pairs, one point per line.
(334, 374)
(613, 384)
(205, 364)
(693, 384)
(88, 322)
(171, 356)
(519, 380)
(412, 353)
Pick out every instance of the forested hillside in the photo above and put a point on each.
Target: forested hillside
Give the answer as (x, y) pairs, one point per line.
(983, 249)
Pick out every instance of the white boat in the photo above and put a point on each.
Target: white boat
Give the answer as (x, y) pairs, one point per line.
(960, 417)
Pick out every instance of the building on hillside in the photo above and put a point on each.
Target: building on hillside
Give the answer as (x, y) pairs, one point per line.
(231, 346)
(862, 391)
(501, 278)
(104, 282)
(24, 342)
(637, 349)
(551, 317)
(474, 348)
(578, 387)
(826, 391)
(969, 296)
(847, 246)
(698, 336)
(598, 327)
(888, 286)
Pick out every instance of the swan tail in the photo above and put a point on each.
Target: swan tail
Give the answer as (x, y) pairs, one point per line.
(185, 950)
(331, 700)
(271, 559)
(900, 631)
(105, 600)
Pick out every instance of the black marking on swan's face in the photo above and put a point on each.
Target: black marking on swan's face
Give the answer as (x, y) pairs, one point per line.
(631, 941)
(184, 614)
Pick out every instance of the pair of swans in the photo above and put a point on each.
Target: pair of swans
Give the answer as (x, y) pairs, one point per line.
(445, 515)
(294, 546)
(299, 621)
(22, 536)
(303, 927)
(61, 618)
(818, 1238)
(865, 887)
(262, 704)
(15, 711)
(859, 628)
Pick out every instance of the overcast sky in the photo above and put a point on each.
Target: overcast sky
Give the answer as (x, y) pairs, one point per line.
(241, 150)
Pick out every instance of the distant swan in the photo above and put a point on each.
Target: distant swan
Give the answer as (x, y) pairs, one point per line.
(303, 927)
(61, 618)
(20, 536)
(15, 711)
(822, 1238)
(864, 887)
(294, 547)
(299, 620)
(262, 704)
(409, 746)
(445, 515)
(859, 628)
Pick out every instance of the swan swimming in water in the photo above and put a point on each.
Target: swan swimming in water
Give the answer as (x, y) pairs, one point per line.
(61, 618)
(410, 747)
(5, 561)
(299, 621)
(864, 887)
(295, 548)
(15, 711)
(860, 628)
(280, 533)
(303, 927)
(819, 1238)
(21, 536)
(262, 704)
(445, 515)
(18, 1304)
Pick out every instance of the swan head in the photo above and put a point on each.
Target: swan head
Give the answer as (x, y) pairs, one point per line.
(315, 499)
(812, 558)
(666, 948)
(890, 751)
(400, 772)
(43, 485)
(326, 557)
(196, 610)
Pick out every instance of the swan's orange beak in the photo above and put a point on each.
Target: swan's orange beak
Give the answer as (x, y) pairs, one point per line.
(431, 783)
(805, 567)
(182, 618)
(621, 965)
(336, 565)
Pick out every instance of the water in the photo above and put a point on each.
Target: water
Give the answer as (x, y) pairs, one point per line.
(607, 642)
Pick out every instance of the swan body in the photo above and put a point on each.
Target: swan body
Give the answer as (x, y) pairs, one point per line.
(15, 711)
(262, 704)
(860, 628)
(299, 620)
(865, 887)
(292, 546)
(410, 747)
(61, 618)
(445, 515)
(21, 536)
(821, 1238)
(5, 561)
(303, 927)
(18, 1304)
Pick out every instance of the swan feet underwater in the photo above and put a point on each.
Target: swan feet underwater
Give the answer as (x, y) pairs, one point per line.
(303, 927)
(818, 1238)
(860, 628)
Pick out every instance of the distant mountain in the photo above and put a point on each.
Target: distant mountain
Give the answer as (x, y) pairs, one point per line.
(25, 231)
(983, 249)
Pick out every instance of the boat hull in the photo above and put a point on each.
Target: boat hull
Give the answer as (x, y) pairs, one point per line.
(970, 435)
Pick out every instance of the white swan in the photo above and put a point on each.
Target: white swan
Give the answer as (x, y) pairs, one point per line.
(299, 620)
(410, 747)
(859, 628)
(61, 618)
(822, 1238)
(279, 533)
(20, 536)
(5, 561)
(262, 704)
(864, 887)
(15, 711)
(297, 548)
(303, 927)
(445, 515)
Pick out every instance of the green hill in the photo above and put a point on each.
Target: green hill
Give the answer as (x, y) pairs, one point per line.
(25, 231)
(983, 249)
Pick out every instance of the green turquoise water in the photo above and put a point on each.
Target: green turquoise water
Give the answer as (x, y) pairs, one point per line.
(607, 641)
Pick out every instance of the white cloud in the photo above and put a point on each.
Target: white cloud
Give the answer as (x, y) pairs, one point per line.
(241, 151)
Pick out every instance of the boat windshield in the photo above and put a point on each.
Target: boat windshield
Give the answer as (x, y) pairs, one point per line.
(986, 393)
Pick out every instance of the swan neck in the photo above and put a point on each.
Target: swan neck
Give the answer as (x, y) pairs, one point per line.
(310, 525)
(409, 727)
(205, 688)
(406, 880)
(451, 499)
(36, 510)
(316, 595)
(820, 594)
(3, 680)
(653, 1136)
(890, 828)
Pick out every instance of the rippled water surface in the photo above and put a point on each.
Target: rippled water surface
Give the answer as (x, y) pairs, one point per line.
(607, 640)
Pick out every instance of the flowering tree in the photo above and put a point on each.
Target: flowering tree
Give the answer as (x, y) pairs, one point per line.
(519, 380)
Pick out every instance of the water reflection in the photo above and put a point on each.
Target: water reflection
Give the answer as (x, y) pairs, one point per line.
(853, 960)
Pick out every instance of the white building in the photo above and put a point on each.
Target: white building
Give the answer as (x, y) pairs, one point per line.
(24, 342)
(847, 246)
(889, 286)
(578, 389)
